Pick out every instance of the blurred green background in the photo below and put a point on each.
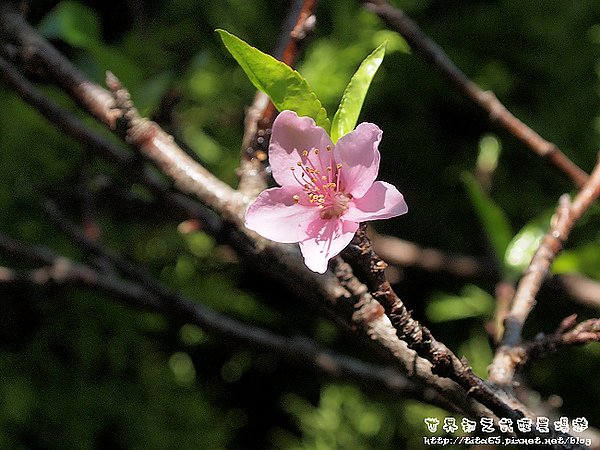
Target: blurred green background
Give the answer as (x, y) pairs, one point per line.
(79, 371)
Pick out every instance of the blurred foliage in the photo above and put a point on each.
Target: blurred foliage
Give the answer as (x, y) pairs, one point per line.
(79, 371)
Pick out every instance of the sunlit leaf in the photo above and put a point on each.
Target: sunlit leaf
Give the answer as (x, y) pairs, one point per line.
(495, 223)
(353, 98)
(285, 87)
(521, 248)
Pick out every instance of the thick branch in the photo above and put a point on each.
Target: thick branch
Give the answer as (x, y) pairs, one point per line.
(431, 52)
(161, 149)
(369, 315)
(444, 362)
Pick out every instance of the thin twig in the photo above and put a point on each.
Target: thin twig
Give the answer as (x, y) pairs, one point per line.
(504, 364)
(408, 254)
(100, 145)
(432, 53)
(568, 333)
(301, 351)
(259, 117)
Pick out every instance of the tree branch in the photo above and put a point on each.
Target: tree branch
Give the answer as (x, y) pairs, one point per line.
(444, 362)
(407, 254)
(504, 364)
(97, 143)
(568, 333)
(280, 262)
(299, 351)
(420, 43)
(259, 117)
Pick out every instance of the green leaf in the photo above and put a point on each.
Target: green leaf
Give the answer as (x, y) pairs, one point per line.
(74, 23)
(584, 259)
(285, 87)
(346, 116)
(495, 223)
(521, 248)
(473, 302)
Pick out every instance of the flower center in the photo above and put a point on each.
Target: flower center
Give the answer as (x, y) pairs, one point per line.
(320, 182)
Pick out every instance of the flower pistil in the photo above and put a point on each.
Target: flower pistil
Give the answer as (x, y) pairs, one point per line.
(321, 184)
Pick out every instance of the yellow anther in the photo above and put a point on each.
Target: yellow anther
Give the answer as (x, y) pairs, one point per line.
(324, 178)
(299, 163)
(328, 148)
(338, 166)
(316, 151)
(296, 198)
(304, 152)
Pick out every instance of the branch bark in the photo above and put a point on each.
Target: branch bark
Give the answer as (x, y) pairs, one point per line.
(504, 364)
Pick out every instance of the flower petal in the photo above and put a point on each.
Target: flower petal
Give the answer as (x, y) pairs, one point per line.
(290, 135)
(276, 216)
(325, 239)
(381, 201)
(357, 152)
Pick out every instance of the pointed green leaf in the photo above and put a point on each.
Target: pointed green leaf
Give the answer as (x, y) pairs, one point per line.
(285, 87)
(495, 223)
(346, 116)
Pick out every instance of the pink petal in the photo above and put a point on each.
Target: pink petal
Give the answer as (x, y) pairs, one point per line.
(357, 152)
(290, 135)
(381, 201)
(275, 216)
(325, 239)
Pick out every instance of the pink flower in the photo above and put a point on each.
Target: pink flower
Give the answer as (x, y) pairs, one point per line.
(326, 189)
